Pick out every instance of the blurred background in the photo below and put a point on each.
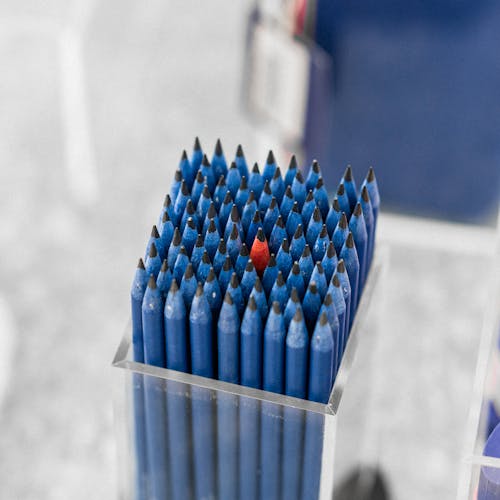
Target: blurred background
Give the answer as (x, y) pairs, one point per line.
(98, 101)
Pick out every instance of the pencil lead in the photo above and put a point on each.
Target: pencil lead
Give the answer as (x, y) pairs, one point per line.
(330, 251)
(168, 201)
(335, 204)
(184, 155)
(197, 145)
(218, 148)
(211, 212)
(320, 183)
(256, 217)
(199, 177)
(251, 197)
(279, 221)
(294, 295)
(270, 158)
(176, 240)
(222, 246)
(296, 268)
(255, 168)
(310, 195)
(348, 174)
(164, 266)
(233, 166)
(243, 183)
(221, 181)
(173, 286)
(267, 189)
(190, 223)
(293, 163)
(313, 287)
(273, 203)
(165, 217)
(154, 232)
(299, 176)
(228, 198)
(365, 195)
(276, 307)
(277, 173)
(328, 299)
(285, 246)
(280, 280)
(295, 207)
(343, 221)
(205, 258)
(252, 304)
(249, 267)
(182, 250)
(152, 282)
(315, 167)
(258, 284)
(210, 276)
(211, 226)
(350, 240)
(140, 264)
(199, 290)
(370, 177)
(234, 281)
(234, 232)
(152, 250)
(336, 281)
(260, 235)
(320, 267)
(357, 209)
(298, 315)
(235, 216)
(323, 232)
(206, 191)
(228, 299)
(307, 251)
(178, 176)
(340, 190)
(244, 250)
(288, 192)
(272, 261)
(317, 214)
(341, 266)
(189, 271)
(205, 161)
(323, 320)
(239, 151)
(227, 264)
(298, 232)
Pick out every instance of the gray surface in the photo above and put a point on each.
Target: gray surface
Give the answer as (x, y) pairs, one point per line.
(155, 76)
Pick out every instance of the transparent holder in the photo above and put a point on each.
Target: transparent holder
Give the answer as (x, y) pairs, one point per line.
(181, 436)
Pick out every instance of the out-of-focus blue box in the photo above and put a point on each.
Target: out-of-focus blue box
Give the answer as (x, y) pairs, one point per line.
(416, 93)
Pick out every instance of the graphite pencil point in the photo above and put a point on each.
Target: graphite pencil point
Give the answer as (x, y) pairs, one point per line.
(276, 307)
(239, 151)
(348, 174)
(164, 266)
(358, 210)
(140, 264)
(152, 282)
(197, 145)
(252, 304)
(210, 276)
(370, 177)
(255, 168)
(244, 250)
(341, 266)
(189, 271)
(205, 161)
(323, 320)
(218, 148)
(270, 158)
(294, 295)
(178, 176)
(343, 221)
(350, 240)
(315, 167)
(152, 250)
(228, 299)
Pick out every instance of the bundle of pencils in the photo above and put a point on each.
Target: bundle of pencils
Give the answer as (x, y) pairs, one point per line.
(254, 278)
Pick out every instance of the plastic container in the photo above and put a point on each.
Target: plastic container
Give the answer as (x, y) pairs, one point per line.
(218, 440)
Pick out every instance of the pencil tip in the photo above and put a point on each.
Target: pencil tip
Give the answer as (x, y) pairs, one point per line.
(210, 276)
(197, 145)
(184, 188)
(323, 320)
(206, 191)
(272, 261)
(184, 155)
(222, 181)
(340, 190)
(284, 245)
(328, 299)
(165, 217)
(173, 286)
(211, 226)
(182, 250)
(205, 258)
(140, 264)
(280, 281)
(273, 203)
(370, 177)
(152, 282)
(190, 223)
(267, 189)
(307, 251)
(324, 231)
(234, 281)
(222, 246)
(256, 217)
(243, 183)
(244, 250)
(235, 216)
(357, 209)
(343, 221)
(205, 161)
(176, 240)
(335, 281)
(199, 241)
(228, 198)
(228, 299)
(218, 148)
(310, 195)
(319, 265)
(293, 163)
(315, 166)
(276, 307)
(348, 174)
(199, 289)
(168, 201)
(364, 194)
(296, 268)
(270, 158)
(211, 212)
(234, 232)
(279, 222)
(164, 266)
(252, 305)
(178, 176)
(317, 214)
(341, 266)
(233, 166)
(298, 315)
(294, 295)
(227, 264)
(239, 151)
(335, 204)
(249, 267)
(288, 192)
(277, 173)
(299, 177)
(189, 271)
(152, 250)
(320, 183)
(298, 232)
(255, 168)
(313, 287)
(350, 240)
(260, 235)
(330, 251)
(258, 284)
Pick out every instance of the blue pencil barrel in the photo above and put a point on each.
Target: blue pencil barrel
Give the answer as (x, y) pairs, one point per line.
(313, 448)
(227, 446)
(249, 448)
(270, 451)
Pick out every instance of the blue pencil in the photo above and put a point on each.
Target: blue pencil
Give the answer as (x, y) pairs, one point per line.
(340, 233)
(306, 264)
(212, 240)
(220, 256)
(203, 416)
(321, 198)
(154, 354)
(298, 243)
(292, 171)
(188, 286)
(155, 238)
(277, 185)
(241, 162)
(233, 245)
(291, 307)
(329, 262)
(153, 261)
(174, 248)
(233, 220)
(265, 199)
(176, 336)
(234, 290)
(213, 293)
(208, 173)
(166, 231)
(228, 342)
(211, 215)
(297, 347)
(137, 291)
(185, 168)
(248, 212)
(203, 203)
(313, 447)
(366, 206)
(241, 261)
(279, 292)
(273, 380)
(350, 187)
(321, 244)
(219, 192)
(333, 217)
(198, 251)
(189, 212)
(278, 234)
(269, 167)
(371, 185)
(242, 195)
(296, 280)
(270, 217)
(329, 308)
(359, 233)
(219, 161)
(343, 200)
(313, 176)
(338, 301)
(203, 268)
(260, 298)
(284, 259)
(294, 220)
(196, 158)
(286, 204)
(351, 262)
(225, 274)
(308, 209)
(311, 306)
(176, 184)
(181, 202)
(255, 181)
(247, 280)
(233, 179)
(270, 275)
(180, 266)
(225, 209)
(318, 277)
(299, 189)
(168, 208)
(314, 227)
(164, 279)
(345, 286)
(198, 186)
(251, 346)
(252, 229)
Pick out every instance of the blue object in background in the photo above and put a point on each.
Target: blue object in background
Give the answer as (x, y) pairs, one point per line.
(414, 93)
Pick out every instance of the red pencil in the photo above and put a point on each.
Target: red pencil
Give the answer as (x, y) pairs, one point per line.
(260, 252)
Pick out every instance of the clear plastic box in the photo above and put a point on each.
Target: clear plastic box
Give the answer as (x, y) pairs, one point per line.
(217, 440)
